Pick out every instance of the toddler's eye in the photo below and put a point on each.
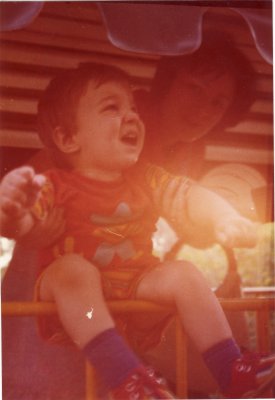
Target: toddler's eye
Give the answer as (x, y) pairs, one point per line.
(111, 107)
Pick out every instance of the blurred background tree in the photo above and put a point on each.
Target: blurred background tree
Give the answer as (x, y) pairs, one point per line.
(256, 265)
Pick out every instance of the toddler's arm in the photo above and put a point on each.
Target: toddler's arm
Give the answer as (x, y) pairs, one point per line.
(213, 213)
(19, 190)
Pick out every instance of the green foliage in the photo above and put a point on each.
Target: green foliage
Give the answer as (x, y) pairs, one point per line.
(256, 265)
(6, 249)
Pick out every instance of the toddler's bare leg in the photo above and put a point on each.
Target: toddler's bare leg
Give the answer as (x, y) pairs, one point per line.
(181, 284)
(74, 285)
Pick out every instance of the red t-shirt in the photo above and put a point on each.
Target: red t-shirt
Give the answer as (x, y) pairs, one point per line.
(111, 224)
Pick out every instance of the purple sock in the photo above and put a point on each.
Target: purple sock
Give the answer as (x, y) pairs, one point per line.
(219, 359)
(111, 357)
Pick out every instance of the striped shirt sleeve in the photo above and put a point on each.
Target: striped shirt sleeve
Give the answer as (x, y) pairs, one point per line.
(170, 194)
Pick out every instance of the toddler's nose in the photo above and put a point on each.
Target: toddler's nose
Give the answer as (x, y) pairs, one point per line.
(132, 117)
(131, 114)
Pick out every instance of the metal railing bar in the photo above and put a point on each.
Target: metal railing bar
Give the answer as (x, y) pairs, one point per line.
(124, 306)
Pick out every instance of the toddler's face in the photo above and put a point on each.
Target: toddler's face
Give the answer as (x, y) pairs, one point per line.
(110, 133)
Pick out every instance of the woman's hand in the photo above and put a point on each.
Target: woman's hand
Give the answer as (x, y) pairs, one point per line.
(46, 231)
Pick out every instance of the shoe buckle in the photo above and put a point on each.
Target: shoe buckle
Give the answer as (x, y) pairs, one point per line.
(243, 368)
(130, 386)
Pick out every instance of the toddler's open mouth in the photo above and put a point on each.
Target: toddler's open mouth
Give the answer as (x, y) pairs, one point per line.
(130, 138)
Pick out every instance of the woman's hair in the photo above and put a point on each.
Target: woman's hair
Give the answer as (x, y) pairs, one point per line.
(58, 104)
(218, 55)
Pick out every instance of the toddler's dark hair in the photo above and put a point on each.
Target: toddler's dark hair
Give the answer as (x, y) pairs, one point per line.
(58, 104)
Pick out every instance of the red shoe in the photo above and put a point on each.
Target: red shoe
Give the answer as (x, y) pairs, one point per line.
(252, 375)
(143, 384)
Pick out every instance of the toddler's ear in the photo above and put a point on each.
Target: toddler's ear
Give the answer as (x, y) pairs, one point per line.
(65, 143)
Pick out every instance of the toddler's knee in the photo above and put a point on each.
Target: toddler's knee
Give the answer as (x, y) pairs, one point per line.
(185, 271)
(73, 269)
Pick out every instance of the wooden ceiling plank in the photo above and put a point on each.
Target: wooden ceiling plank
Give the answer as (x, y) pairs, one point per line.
(13, 104)
(23, 81)
(232, 139)
(237, 154)
(262, 106)
(253, 127)
(18, 138)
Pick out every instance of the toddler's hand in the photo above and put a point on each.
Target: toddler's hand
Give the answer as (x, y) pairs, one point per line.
(18, 191)
(236, 231)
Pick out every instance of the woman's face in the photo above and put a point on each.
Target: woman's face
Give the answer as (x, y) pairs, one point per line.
(195, 103)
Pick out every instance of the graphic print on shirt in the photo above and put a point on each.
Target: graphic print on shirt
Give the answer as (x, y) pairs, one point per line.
(115, 231)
